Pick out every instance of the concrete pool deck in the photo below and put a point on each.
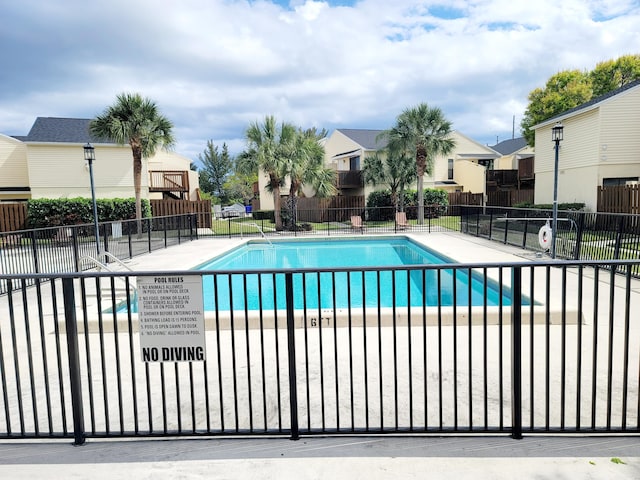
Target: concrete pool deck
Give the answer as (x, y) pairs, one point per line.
(348, 458)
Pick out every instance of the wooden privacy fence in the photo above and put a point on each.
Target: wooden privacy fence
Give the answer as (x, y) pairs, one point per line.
(619, 199)
(164, 208)
(509, 198)
(465, 198)
(13, 216)
(332, 209)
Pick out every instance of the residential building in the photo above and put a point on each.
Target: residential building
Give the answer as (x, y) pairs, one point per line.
(514, 170)
(49, 163)
(462, 170)
(601, 147)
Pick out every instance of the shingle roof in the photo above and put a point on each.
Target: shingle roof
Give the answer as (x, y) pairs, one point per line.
(63, 130)
(591, 102)
(512, 145)
(365, 138)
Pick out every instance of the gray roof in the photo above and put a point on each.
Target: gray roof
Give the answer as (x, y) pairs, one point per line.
(365, 138)
(512, 145)
(591, 102)
(61, 130)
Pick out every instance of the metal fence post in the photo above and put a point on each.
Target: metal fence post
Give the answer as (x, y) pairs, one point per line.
(291, 339)
(129, 241)
(506, 228)
(105, 239)
(74, 360)
(34, 248)
(164, 228)
(516, 353)
(76, 252)
(149, 232)
(526, 230)
(579, 232)
(490, 224)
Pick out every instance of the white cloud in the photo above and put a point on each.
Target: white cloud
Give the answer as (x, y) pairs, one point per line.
(214, 66)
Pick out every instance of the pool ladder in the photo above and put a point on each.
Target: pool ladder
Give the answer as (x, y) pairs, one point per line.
(99, 265)
(259, 229)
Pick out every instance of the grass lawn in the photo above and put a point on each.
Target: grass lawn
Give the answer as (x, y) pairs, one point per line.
(245, 226)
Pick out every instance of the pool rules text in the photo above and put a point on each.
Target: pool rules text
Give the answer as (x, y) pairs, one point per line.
(171, 316)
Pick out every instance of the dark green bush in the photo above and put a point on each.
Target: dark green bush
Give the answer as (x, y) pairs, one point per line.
(264, 215)
(380, 206)
(46, 212)
(575, 206)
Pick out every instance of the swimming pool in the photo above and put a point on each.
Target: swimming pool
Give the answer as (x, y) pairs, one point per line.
(327, 290)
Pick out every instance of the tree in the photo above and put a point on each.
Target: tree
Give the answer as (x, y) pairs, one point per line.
(613, 74)
(268, 149)
(305, 166)
(423, 133)
(571, 88)
(563, 91)
(136, 121)
(216, 169)
(239, 187)
(393, 169)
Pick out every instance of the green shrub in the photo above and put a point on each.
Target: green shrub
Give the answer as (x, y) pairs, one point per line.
(47, 212)
(264, 215)
(570, 206)
(380, 206)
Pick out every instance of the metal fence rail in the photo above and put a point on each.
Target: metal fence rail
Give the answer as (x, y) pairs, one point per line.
(580, 236)
(546, 347)
(64, 249)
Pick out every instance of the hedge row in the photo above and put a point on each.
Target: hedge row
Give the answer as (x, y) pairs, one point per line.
(44, 212)
(380, 205)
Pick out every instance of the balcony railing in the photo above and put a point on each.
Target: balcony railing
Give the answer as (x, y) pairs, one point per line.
(169, 181)
(350, 179)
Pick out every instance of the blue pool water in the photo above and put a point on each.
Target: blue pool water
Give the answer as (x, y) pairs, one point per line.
(371, 289)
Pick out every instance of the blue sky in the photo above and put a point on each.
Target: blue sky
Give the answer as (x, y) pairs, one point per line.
(214, 66)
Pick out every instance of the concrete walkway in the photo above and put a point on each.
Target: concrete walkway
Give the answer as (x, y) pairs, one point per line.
(352, 458)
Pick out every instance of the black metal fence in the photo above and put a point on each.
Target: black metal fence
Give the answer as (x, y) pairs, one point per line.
(580, 236)
(542, 348)
(69, 248)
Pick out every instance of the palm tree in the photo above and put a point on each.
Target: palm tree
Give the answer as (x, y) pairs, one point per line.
(268, 149)
(136, 121)
(393, 169)
(423, 133)
(305, 166)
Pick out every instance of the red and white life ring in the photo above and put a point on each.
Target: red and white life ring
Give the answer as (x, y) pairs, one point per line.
(545, 234)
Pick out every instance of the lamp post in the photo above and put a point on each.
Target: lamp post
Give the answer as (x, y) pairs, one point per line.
(556, 137)
(89, 157)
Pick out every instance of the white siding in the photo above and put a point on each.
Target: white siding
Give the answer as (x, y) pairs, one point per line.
(13, 163)
(336, 144)
(471, 175)
(574, 185)
(620, 129)
(603, 142)
(57, 171)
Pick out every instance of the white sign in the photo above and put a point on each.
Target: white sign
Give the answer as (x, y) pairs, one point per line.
(171, 318)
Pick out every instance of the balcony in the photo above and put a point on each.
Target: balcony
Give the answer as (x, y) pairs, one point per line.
(525, 169)
(350, 179)
(171, 183)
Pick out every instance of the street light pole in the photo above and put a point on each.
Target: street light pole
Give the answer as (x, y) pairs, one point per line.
(90, 156)
(556, 136)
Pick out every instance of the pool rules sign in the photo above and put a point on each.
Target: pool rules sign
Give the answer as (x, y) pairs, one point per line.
(171, 316)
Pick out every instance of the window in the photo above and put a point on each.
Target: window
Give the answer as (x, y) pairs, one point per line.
(615, 182)
(450, 169)
(354, 163)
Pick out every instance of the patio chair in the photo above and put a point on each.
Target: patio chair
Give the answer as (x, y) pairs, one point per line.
(401, 221)
(356, 222)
